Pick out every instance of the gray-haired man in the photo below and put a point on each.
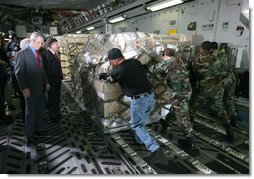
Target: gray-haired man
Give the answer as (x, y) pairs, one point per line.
(31, 76)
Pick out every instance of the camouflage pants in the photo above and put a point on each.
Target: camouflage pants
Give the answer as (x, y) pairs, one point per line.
(214, 98)
(180, 109)
(228, 99)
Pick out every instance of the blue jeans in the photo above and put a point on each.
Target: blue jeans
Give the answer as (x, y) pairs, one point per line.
(140, 111)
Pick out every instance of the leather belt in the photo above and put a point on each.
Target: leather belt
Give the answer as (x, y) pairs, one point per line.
(142, 95)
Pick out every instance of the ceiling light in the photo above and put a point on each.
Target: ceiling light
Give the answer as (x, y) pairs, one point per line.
(90, 28)
(78, 32)
(116, 19)
(164, 4)
(246, 11)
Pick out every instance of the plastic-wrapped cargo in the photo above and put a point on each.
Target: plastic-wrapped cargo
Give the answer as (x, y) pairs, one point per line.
(105, 101)
(69, 47)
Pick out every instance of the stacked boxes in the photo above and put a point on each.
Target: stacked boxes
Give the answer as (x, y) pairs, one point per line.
(107, 91)
(70, 46)
(85, 57)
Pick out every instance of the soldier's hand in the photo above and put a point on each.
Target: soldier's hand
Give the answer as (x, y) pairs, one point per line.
(103, 76)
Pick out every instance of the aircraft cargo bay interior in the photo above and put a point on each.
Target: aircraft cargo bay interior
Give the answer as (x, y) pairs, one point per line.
(123, 87)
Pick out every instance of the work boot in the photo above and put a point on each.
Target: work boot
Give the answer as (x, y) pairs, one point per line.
(192, 119)
(31, 141)
(164, 125)
(159, 162)
(157, 157)
(186, 144)
(230, 134)
(234, 122)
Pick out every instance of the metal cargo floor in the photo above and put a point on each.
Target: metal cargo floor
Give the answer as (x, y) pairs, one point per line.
(77, 145)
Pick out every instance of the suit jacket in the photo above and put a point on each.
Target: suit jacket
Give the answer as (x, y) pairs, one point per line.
(53, 68)
(28, 72)
(3, 74)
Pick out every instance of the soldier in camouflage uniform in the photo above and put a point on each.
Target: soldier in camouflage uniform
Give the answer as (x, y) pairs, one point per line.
(229, 84)
(209, 73)
(178, 80)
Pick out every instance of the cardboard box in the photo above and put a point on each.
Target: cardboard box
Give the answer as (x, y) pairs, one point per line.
(145, 59)
(65, 64)
(107, 91)
(109, 109)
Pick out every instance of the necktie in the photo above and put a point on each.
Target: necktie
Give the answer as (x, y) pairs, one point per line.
(61, 73)
(38, 57)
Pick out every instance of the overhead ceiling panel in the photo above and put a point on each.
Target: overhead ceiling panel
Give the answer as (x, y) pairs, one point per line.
(55, 4)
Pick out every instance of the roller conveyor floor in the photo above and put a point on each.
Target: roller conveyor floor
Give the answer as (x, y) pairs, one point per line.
(77, 145)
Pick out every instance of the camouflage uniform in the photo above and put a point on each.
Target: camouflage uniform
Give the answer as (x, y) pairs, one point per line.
(229, 85)
(178, 80)
(209, 73)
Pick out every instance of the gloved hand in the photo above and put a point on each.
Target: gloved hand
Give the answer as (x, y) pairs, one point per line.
(103, 76)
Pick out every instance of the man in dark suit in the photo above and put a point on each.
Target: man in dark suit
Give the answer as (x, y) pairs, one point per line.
(4, 119)
(2, 86)
(32, 79)
(23, 44)
(55, 75)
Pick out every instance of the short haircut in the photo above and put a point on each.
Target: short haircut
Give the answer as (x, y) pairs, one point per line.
(24, 43)
(206, 45)
(169, 52)
(35, 35)
(214, 45)
(50, 41)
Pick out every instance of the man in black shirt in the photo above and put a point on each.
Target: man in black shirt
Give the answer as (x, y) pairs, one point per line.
(133, 81)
